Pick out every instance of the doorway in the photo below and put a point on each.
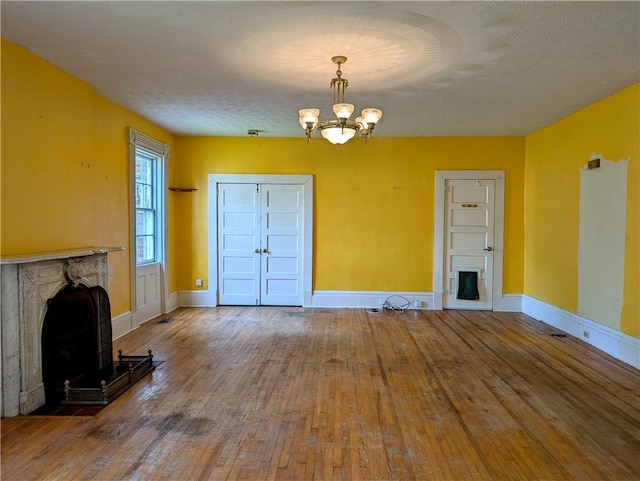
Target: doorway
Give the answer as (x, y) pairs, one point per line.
(468, 246)
(260, 231)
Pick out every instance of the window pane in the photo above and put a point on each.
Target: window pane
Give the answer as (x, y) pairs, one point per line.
(144, 169)
(145, 222)
(139, 221)
(145, 249)
(149, 249)
(149, 222)
(144, 196)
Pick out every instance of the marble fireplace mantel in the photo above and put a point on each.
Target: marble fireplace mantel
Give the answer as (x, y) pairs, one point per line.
(27, 282)
(53, 255)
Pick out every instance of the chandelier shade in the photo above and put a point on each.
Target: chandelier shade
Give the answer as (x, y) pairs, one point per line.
(340, 129)
(308, 116)
(343, 111)
(338, 134)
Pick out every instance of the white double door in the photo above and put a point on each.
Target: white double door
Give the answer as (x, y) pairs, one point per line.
(469, 243)
(260, 244)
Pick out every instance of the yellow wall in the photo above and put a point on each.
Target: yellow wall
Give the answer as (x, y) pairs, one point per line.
(64, 165)
(554, 155)
(64, 184)
(373, 203)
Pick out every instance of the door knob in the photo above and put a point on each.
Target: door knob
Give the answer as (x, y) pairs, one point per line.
(265, 251)
(257, 251)
(488, 249)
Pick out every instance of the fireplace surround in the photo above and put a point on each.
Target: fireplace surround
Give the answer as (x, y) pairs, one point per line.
(27, 282)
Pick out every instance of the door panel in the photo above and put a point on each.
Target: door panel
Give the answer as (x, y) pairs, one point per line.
(148, 292)
(238, 240)
(469, 214)
(282, 223)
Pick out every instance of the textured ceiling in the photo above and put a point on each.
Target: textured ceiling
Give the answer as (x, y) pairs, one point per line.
(434, 68)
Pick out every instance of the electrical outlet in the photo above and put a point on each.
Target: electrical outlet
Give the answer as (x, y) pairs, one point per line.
(198, 282)
(586, 334)
(417, 304)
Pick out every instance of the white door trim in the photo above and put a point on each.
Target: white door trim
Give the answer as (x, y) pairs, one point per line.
(212, 221)
(438, 244)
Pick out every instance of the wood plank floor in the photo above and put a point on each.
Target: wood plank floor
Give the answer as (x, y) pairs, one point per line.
(267, 393)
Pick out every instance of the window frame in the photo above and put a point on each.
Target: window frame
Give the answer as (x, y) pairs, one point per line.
(153, 147)
(154, 208)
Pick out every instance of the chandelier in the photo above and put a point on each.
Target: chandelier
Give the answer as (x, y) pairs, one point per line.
(339, 129)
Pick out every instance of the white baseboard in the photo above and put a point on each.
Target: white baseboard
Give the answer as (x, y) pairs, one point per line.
(371, 299)
(615, 343)
(510, 303)
(173, 302)
(197, 299)
(122, 324)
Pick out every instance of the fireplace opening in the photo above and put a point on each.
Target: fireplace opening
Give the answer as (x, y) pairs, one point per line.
(76, 340)
(77, 350)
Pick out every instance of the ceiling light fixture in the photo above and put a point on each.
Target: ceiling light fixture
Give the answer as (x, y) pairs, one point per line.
(341, 129)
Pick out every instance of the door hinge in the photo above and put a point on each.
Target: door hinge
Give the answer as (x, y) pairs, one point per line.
(257, 188)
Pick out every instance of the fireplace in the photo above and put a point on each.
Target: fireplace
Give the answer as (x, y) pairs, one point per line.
(28, 283)
(76, 341)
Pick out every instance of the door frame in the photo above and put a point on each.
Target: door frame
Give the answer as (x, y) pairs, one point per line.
(212, 220)
(138, 139)
(498, 235)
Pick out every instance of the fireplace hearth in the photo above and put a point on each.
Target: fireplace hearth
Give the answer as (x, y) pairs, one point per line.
(128, 371)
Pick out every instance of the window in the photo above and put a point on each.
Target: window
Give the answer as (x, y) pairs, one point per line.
(148, 162)
(146, 206)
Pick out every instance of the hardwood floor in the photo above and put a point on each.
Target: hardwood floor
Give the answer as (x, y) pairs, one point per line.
(265, 393)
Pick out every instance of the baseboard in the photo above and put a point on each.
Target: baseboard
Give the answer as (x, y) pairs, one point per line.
(371, 299)
(173, 302)
(122, 324)
(197, 299)
(510, 303)
(615, 343)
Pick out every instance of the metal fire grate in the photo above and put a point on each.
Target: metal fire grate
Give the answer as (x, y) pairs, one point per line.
(129, 370)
